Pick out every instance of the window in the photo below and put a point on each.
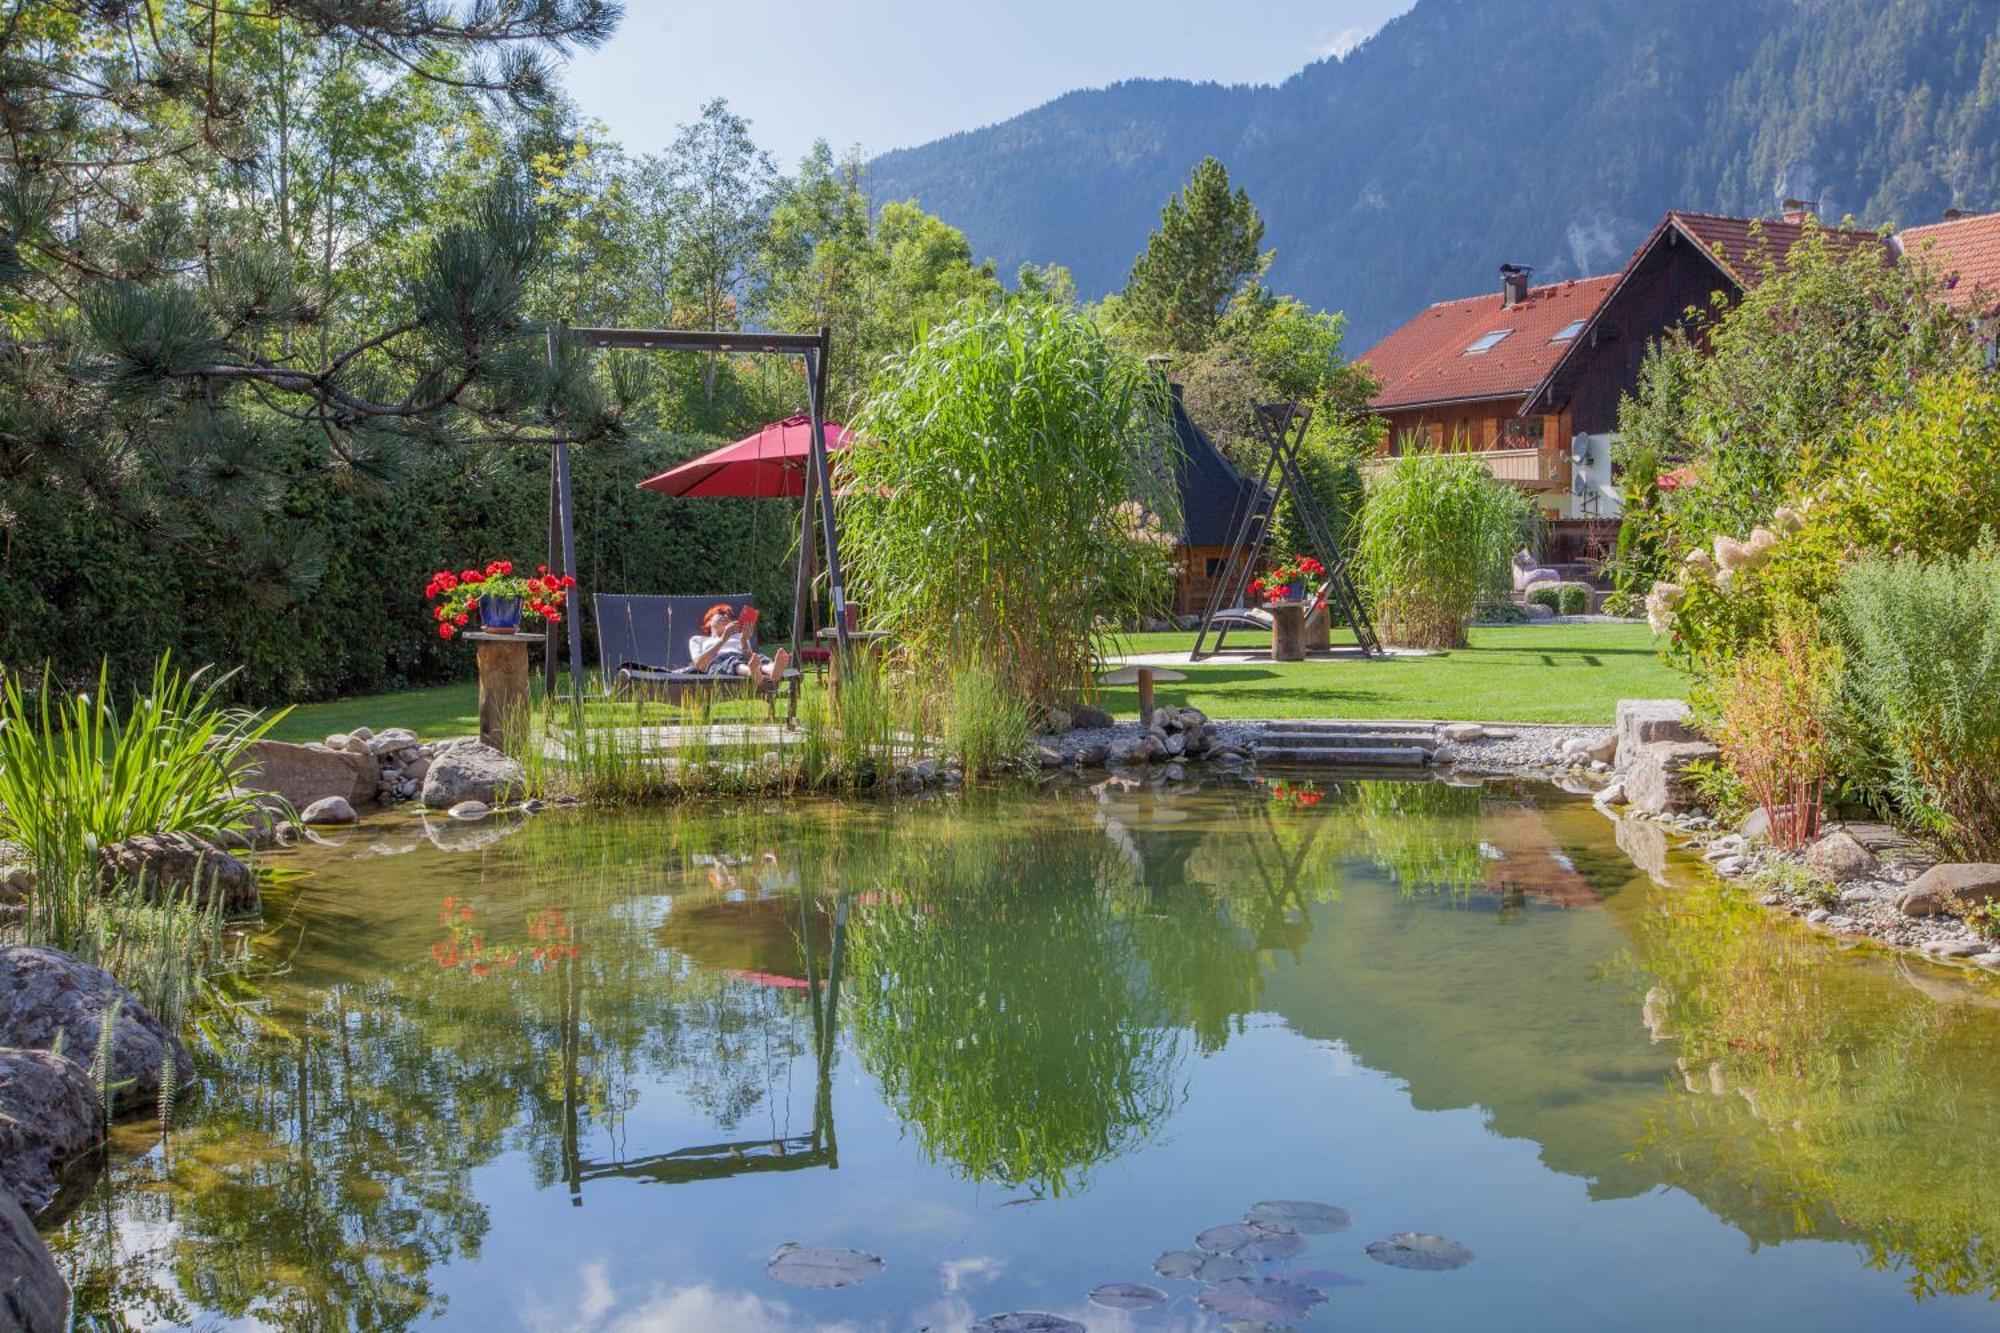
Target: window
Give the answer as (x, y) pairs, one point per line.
(1486, 342)
(1568, 331)
(1522, 433)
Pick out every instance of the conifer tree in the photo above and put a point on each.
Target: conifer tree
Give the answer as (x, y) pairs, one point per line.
(1201, 257)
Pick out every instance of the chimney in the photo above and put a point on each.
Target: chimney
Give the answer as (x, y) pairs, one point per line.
(1513, 284)
(1798, 210)
(1953, 214)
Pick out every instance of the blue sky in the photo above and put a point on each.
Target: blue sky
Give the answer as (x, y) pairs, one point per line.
(889, 73)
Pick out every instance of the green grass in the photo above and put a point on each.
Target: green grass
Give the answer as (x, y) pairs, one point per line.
(1511, 673)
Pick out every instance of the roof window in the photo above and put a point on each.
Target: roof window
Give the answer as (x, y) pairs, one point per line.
(1568, 331)
(1486, 342)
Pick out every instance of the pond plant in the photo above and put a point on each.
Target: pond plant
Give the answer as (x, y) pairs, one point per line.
(1436, 534)
(1009, 495)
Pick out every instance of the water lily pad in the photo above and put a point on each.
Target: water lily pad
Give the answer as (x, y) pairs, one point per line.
(1272, 1245)
(1128, 1296)
(1225, 1238)
(1027, 1321)
(1221, 1268)
(1323, 1278)
(1255, 1326)
(1260, 1298)
(1298, 1215)
(800, 1266)
(1179, 1263)
(1421, 1252)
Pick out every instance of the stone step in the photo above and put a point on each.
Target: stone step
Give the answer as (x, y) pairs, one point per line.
(1330, 727)
(1344, 756)
(1361, 740)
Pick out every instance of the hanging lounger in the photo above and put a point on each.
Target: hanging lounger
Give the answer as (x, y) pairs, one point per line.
(642, 648)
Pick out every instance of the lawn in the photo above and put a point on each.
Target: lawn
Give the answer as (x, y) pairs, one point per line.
(1511, 673)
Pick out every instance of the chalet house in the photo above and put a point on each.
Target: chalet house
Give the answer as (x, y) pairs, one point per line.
(1964, 253)
(1530, 378)
(1461, 374)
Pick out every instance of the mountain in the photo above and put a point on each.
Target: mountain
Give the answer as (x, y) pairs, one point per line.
(1468, 132)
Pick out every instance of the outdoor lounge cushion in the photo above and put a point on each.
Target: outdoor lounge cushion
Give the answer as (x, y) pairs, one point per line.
(646, 634)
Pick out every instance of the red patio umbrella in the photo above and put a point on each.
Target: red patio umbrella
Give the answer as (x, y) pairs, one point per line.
(768, 465)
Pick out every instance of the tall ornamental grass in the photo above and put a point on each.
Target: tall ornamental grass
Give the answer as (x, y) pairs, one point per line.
(78, 772)
(1009, 493)
(1922, 640)
(1436, 534)
(1772, 713)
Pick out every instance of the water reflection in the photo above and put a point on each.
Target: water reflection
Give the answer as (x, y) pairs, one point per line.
(1027, 990)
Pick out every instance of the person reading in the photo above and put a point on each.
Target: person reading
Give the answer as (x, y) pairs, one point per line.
(727, 646)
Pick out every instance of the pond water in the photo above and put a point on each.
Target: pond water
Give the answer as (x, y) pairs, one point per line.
(592, 1071)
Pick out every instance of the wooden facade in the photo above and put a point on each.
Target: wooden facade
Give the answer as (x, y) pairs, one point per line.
(1667, 282)
(1533, 452)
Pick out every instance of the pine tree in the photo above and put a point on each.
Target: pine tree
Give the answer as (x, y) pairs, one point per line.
(1202, 256)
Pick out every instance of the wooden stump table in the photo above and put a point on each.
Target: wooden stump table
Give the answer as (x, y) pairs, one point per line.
(503, 685)
(1319, 628)
(1288, 631)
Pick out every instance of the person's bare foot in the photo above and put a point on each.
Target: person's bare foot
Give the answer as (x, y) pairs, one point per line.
(780, 663)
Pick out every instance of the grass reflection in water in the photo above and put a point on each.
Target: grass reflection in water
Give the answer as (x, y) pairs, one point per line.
(1023, 990)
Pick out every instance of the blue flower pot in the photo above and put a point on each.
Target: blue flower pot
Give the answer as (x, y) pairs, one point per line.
(1291, 592)
(500, 615)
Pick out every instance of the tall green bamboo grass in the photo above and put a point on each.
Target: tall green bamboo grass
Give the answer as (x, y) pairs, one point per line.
(1436, 534)
(1010, 491)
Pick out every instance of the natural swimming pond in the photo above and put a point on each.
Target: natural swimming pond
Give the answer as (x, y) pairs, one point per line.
(591, 1071)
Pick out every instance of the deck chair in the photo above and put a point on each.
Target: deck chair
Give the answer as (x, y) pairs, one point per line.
(642, 648)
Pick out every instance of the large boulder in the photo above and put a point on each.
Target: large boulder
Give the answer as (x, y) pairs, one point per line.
(1946, 888)
(1838, 855)
(172, 864)
(1656, 782)
(49, 1113)
(33, 1296)
(302, 774)
(471, 771)
(1644, 722)
(48, 997)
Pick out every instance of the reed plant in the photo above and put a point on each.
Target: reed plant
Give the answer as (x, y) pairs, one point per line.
(175, 952)
(1436, 534)
(1772, 713)
(1010, 493)
(847, 739)
(78, 772)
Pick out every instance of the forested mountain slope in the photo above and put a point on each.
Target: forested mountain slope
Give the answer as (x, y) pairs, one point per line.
(1467, 132)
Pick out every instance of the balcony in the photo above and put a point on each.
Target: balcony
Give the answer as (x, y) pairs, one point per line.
(1530, 469)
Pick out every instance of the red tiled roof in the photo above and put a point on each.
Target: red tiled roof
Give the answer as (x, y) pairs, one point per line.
(1737, 243)
(1965, 255)
(1425, 361)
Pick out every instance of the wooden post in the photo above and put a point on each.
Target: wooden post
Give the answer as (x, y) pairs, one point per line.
(503, 687)
(1319, 627)
(1145, 695)
(1288, 632)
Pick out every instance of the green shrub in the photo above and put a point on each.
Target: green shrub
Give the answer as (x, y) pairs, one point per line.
(1630, 605)
(1923, 646)
(1565, 599)
(1009, 490)
(1437, 532)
